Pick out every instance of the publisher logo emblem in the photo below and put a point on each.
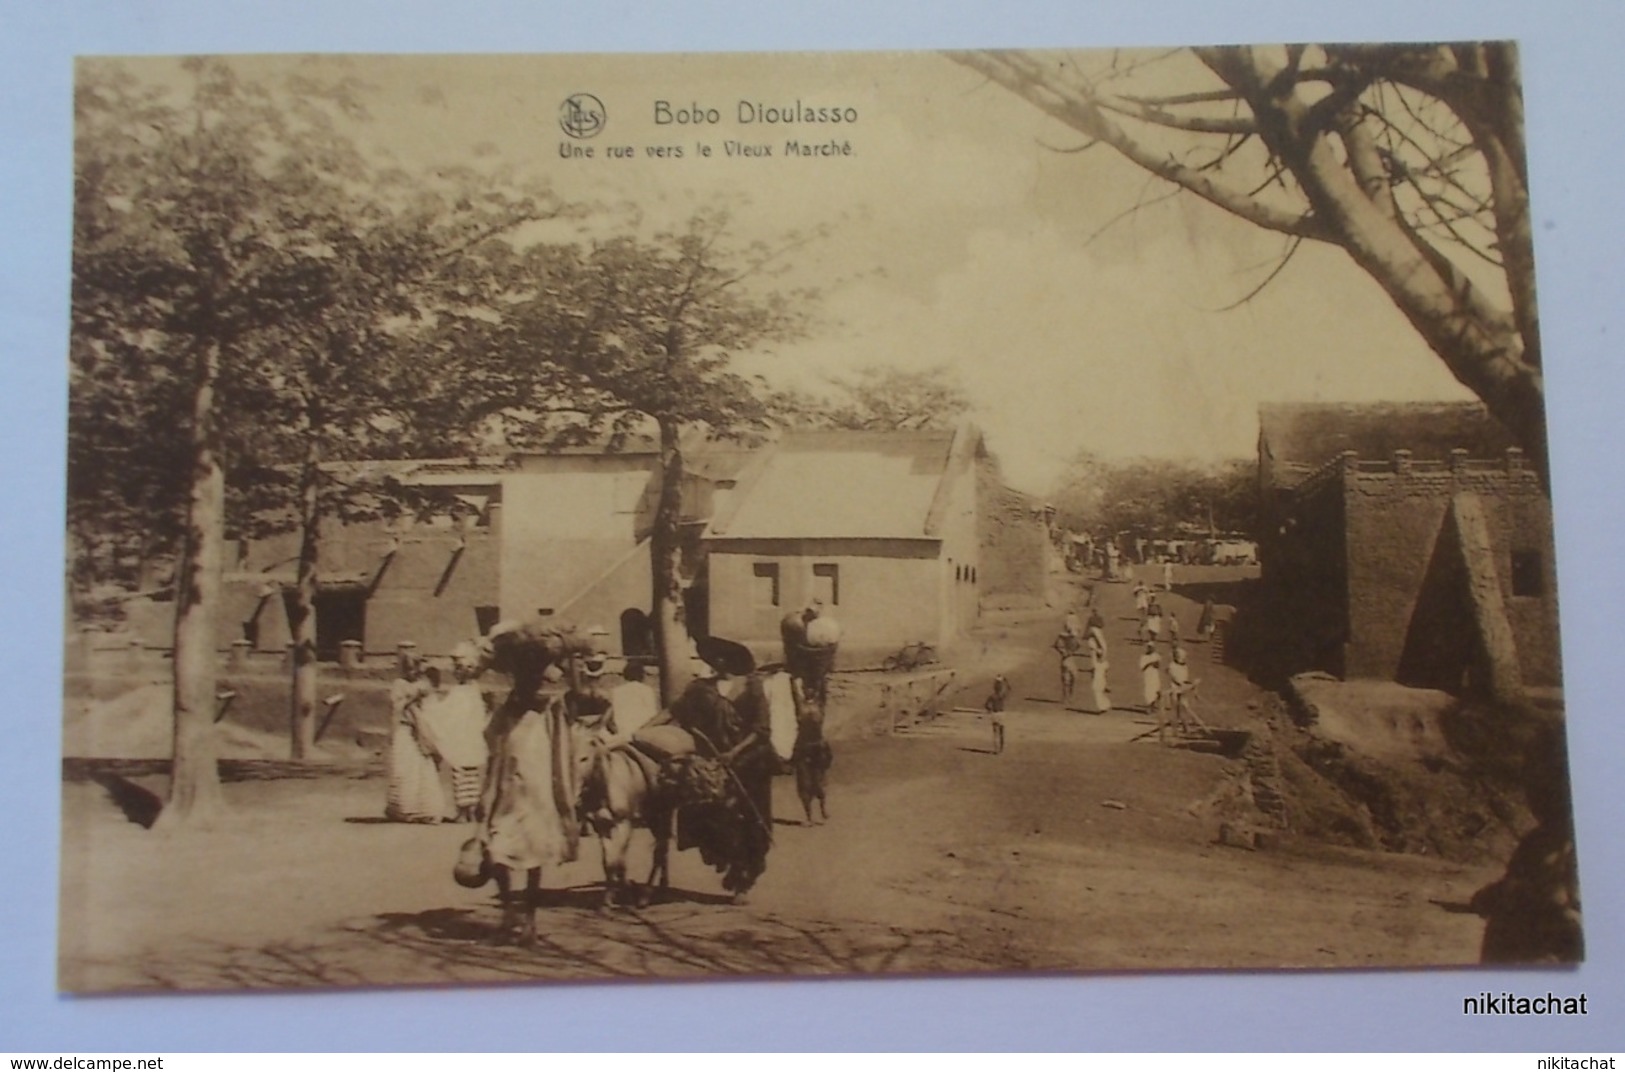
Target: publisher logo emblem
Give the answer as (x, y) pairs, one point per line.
(582, 115)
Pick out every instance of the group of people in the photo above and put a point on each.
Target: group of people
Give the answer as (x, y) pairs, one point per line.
(440, 735)
(1175, 700)
(437, 747)
(522, 773)
(1155, 625)
(1079, 643)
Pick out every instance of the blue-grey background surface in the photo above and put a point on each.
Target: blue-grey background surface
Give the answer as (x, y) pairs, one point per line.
(1574, 73)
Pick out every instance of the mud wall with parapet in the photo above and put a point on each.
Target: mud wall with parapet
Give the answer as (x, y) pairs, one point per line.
(1014, 542)
(1395, 520)
(1394, 525)
(1300, 619)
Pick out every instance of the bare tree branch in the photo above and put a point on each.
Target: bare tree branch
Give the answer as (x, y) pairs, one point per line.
(1351, 134)
(1194, 124)
(1286, 258)
(1079, 109)
(1173, 99)
(1139, 203)
(1090, 144)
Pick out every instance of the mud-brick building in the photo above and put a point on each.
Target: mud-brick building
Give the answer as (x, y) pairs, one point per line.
(1408, 542)
(881, 526)
(434, 581)
(563, 533)
(893, 530)
(1016, 553)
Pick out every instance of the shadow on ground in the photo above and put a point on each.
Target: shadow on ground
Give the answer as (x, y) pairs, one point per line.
(139, 804)
(686, 935)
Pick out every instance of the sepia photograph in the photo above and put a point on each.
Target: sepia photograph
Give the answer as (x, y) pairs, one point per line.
(695, 516)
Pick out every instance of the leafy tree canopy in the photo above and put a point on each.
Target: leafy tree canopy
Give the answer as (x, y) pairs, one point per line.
(219, 211)
(1154, 496)
(878, 397)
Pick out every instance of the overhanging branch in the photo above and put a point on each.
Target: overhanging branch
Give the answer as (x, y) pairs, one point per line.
(1080, 109)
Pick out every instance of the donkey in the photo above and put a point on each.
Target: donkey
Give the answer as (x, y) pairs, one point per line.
(619, 791)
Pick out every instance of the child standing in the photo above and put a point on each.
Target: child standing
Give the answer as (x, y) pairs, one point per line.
(1180, 687)
(995, 710)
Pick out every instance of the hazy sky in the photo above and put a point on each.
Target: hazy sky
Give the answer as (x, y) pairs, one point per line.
(960, 237)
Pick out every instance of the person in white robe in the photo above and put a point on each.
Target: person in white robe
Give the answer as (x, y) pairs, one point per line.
(1180, 687)
(1151, 678)
(634, 702)
(455, 719)
(413, 794)
(1098, 666)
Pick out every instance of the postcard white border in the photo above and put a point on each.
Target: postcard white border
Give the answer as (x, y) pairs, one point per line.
(1574, 81)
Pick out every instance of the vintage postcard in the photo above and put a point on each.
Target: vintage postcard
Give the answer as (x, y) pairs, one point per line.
(580, 517)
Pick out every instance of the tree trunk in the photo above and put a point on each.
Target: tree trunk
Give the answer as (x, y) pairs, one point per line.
(670, 632)
(194, 777)
(302, 608)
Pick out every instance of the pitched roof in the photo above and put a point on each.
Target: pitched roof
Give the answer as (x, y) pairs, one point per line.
(841, 484)
(421, 471)
(712, 458)
(1310, 434)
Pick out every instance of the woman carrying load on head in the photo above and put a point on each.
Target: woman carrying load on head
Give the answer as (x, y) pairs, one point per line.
(528, 801)
(728, 717)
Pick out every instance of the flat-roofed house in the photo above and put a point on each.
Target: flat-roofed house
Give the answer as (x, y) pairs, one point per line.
(881, 526)
(562, 533)
(1406, 541)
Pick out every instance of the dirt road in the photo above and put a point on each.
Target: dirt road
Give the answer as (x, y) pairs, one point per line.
(1077, 849)
(938, 857)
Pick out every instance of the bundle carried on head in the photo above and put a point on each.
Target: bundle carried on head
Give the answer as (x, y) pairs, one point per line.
(515, 648)
(526, 651)
(823, 632)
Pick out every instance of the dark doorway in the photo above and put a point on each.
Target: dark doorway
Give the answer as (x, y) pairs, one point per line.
(637, 633)
(341, 614)
(1441, 637)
